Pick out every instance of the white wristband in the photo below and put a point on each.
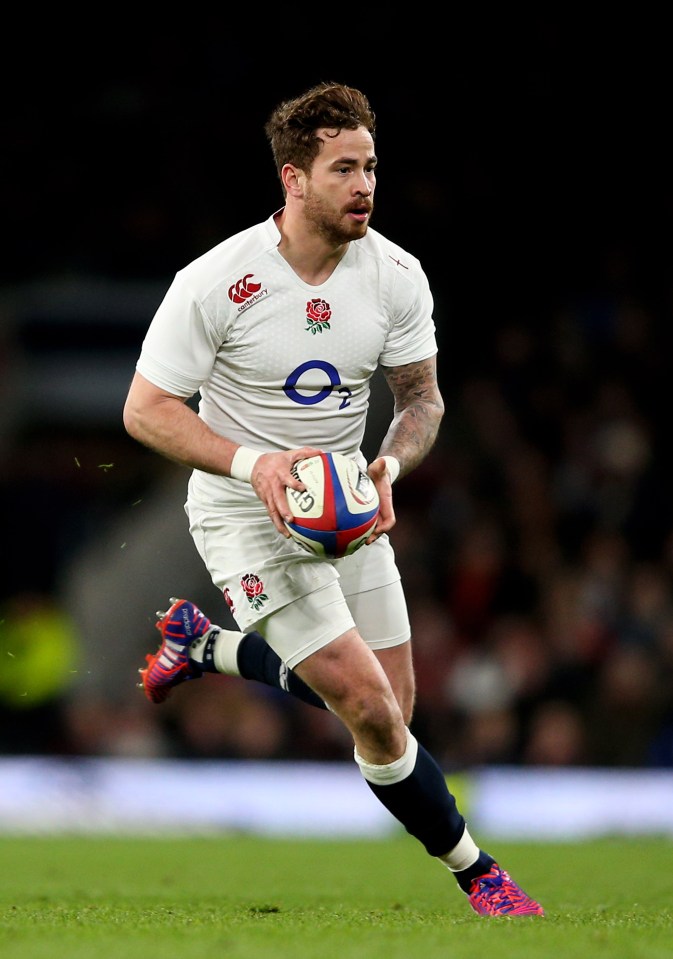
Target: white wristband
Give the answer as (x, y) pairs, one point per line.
(393, 467)
(242, 463)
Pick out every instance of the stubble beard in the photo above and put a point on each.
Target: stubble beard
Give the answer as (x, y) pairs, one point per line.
(331, 226)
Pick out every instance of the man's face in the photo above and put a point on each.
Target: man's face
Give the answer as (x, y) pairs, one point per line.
(339, 192)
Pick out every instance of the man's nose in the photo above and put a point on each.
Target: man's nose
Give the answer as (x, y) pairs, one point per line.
(364, 186)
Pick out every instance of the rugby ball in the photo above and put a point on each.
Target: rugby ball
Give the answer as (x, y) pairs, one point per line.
(337, 511)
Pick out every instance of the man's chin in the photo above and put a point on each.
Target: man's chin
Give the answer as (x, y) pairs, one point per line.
(358, 230)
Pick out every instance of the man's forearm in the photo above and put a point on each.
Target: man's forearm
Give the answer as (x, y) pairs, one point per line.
(419, 410)
(171, 428)
(411, 436)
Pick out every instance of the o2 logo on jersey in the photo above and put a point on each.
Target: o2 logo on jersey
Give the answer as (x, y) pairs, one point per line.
(333, 386)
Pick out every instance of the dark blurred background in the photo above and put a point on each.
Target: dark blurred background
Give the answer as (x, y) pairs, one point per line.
(526, 161)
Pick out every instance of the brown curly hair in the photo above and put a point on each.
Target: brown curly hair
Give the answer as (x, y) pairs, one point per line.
(291, 127)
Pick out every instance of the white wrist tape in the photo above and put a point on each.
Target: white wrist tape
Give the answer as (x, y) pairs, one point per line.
(242, 463)
(393, 466)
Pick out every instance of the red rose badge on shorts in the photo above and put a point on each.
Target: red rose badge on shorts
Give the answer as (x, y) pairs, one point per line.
(318, 314)
(253, 588)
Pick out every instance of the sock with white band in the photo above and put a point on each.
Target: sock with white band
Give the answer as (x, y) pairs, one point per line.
(391, 773)
(250, 656)
(461, 856)
(216, 652)
(413, 788)
(201, 650)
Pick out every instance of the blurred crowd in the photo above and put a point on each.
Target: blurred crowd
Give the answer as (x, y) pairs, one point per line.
(536, 545)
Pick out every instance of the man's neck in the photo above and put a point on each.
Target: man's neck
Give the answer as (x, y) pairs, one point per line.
(311, 257)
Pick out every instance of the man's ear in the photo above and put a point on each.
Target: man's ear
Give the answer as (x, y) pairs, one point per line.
(293, 180)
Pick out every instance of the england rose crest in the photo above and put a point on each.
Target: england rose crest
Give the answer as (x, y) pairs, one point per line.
(318, 314)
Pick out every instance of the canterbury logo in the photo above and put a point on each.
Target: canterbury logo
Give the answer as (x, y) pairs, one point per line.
(242, 289)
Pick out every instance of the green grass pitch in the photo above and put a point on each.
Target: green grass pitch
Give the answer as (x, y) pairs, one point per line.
(245, 897)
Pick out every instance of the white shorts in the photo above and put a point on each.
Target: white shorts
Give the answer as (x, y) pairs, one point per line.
(298, 602)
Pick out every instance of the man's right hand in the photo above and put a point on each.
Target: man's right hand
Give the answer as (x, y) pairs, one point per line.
(271, 474)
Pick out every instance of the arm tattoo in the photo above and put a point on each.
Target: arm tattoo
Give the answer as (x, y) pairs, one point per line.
(419, 409)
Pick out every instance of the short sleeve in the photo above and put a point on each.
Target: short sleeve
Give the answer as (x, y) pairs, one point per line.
(412, 335)
(181, 343)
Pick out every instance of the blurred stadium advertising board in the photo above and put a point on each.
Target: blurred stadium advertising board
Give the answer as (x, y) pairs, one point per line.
(40, 795)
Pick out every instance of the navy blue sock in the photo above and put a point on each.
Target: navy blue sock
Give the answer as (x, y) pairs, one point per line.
(426, 808)
(478, 868)
(256, 660)
(423, 804)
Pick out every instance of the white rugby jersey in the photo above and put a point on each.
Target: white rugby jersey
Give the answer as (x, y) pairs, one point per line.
(279, 363)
